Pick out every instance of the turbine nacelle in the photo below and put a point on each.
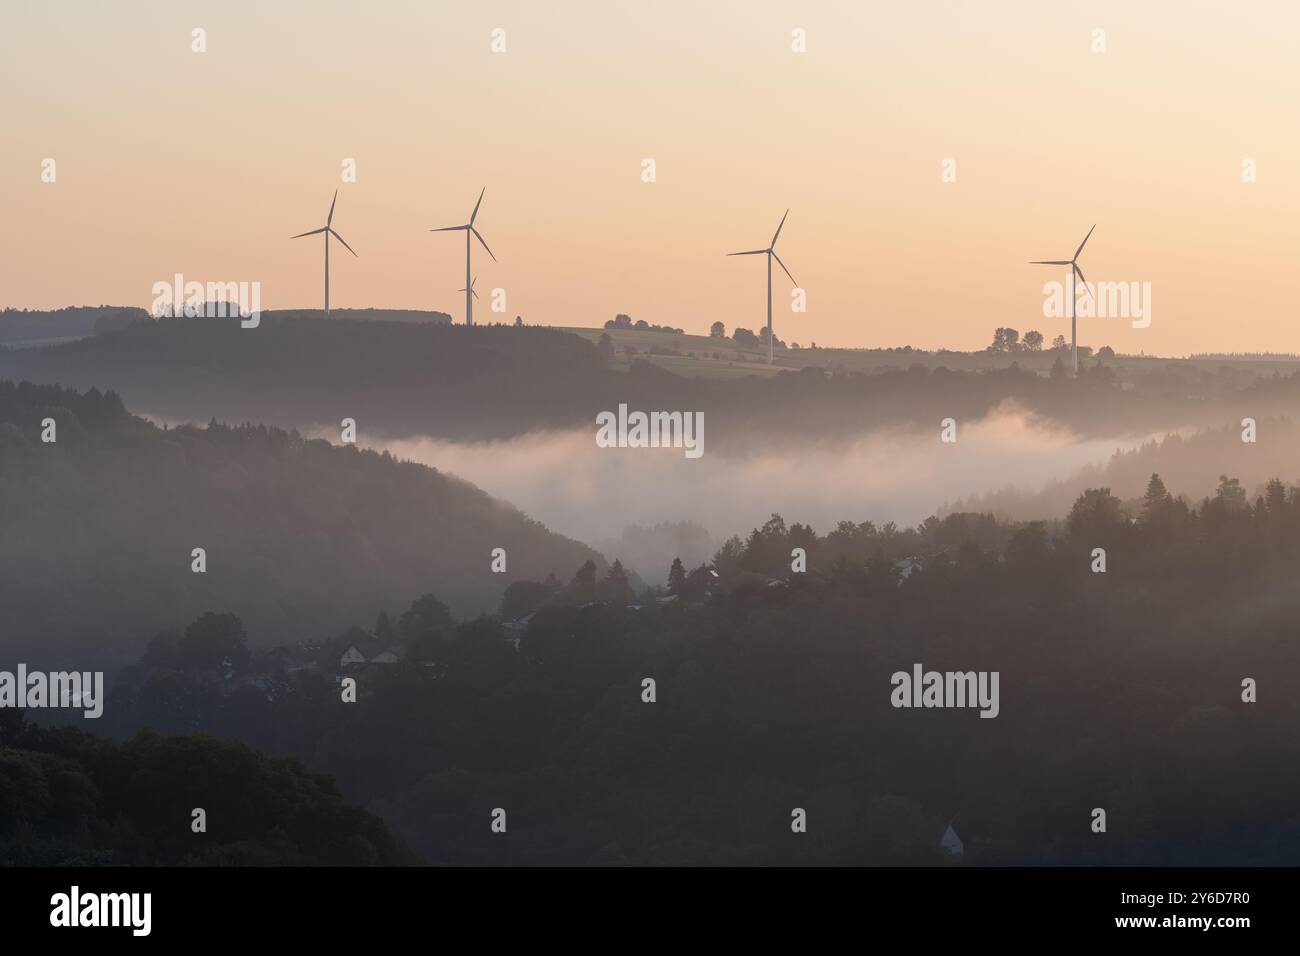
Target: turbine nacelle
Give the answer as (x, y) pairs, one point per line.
(328, 227)
(1073, 262)
(469, 226)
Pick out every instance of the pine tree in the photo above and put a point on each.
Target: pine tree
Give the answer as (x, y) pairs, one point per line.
(584, 581)
(1231, 493)
(676, 577)
(615, 588)
(1275, 498)
(1156, 502)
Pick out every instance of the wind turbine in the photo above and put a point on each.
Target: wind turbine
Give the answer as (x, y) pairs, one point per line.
(470, 295)
(1073, 263)
(770, 252)
(471, 288)
(328, 231)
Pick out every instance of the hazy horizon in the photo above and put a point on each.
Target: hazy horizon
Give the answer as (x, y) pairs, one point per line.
(210, 173)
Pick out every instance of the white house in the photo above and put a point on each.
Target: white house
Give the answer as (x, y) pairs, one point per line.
(351, 656)
(907, 567)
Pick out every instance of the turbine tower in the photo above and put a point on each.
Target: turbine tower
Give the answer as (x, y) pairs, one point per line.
(770, 252)
(470, 295)
(328, 231)
(1073, 263)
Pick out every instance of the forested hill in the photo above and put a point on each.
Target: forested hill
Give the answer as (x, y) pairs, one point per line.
(391, 377)
(97, 531)
(1189, 464)
(71, 798)
(1132, 689)
(398, 379)
(25, 325)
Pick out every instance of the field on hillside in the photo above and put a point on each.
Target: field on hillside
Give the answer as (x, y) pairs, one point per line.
(707, 357)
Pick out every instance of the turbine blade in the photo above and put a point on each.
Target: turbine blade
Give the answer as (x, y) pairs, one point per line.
(782, 264)
(449, 229)
(484, 244)
(330, 218)
(342, 240)
(473, 293)
(1084, 243)
(1050, 262)
(474, 214)
(1085, 282)
(778, 228)
(312, 233)
(752, 252)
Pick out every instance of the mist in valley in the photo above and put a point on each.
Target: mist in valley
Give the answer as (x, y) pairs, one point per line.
(614, 498)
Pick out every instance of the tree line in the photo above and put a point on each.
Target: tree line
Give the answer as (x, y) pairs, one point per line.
(1121, 690)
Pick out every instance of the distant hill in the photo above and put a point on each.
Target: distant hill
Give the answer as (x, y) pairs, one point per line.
(726, 357)
(22, 325)
(97, 530)
(1290, 357)
(418, 316)
(393, 378)
(399, 379)
(18, 326)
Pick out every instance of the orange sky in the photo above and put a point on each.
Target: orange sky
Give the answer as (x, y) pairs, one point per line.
(170, 161)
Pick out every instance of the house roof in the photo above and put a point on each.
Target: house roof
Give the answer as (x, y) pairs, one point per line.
(368, 647)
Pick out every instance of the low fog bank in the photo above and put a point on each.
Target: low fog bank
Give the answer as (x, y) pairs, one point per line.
(594, 494)
(1188, 462)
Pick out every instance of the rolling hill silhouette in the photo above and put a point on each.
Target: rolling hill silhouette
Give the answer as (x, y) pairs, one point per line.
(300, 536)
(400, 379)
